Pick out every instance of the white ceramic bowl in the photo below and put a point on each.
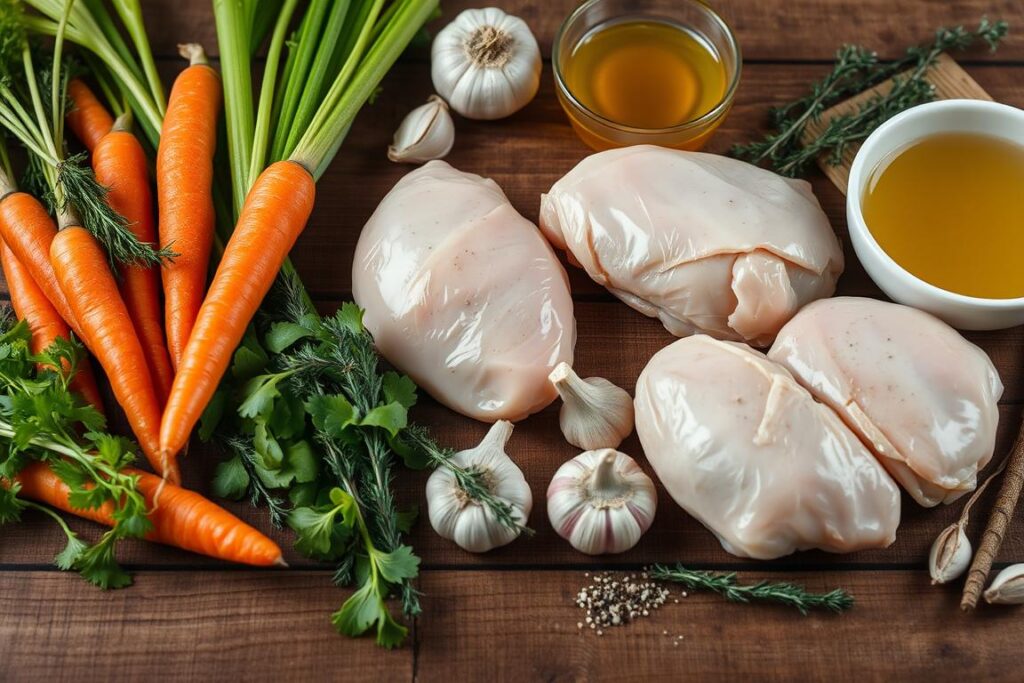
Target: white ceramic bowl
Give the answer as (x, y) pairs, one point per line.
(946, 116)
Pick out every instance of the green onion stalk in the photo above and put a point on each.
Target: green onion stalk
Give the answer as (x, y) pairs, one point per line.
(33, 102)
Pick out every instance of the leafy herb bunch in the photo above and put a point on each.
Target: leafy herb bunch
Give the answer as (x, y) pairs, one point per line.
(857, 69)
(314, 426)
(43, 421)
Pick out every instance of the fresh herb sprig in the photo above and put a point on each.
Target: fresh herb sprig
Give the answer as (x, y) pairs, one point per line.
(316, 419)
(40, 421)
(857, 69)
(784, 593)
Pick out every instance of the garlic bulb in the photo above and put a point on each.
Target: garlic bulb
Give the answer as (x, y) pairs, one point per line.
(950, 554)
(601, 502)
(1008, 587)
(486, 64)
(595, 413)
(426, 133)
(455, 515)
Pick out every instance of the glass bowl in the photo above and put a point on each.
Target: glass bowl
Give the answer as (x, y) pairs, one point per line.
(696, 16)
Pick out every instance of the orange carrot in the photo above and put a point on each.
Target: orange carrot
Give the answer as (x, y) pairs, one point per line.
(184, 182)
(85, 278)
(183, 518)
(273, 216)
(32, 306)
(28, 231)
(120, 164)
(87, 118)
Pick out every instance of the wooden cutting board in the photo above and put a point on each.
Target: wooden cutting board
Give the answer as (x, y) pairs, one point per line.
(950, 80)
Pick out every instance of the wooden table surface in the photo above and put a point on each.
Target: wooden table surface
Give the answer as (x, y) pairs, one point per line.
(509, 614)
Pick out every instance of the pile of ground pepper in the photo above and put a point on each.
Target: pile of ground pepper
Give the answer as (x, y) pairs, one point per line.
(611, 600)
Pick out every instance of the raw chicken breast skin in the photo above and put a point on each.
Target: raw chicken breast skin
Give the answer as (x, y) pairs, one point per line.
(749, 453)
(703, 242)
(464, 294)
(921, 396)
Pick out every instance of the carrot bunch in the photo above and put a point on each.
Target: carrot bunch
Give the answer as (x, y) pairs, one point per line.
(93, 273)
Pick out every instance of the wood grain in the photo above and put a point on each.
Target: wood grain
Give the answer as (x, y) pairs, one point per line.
(539, 449)
(181, 626)
(519, 626)
(773, 30)
(526, 154)
(508, 615)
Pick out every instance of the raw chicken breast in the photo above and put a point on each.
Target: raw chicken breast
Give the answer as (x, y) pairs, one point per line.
(920, 395)
(703, 242)
(464, 295)
(748, 452)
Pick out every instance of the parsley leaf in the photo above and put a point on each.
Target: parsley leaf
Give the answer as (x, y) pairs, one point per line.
(72, 552)
(399, 389)
(399, 564)
(331, 414)
(392, 418)
(98, 565)
(230, 480)
(284, 334)
(260, 393)
(10, 505)
(362, 609)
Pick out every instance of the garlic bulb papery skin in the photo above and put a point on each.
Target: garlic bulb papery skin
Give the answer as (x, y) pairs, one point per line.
(457, 517)
(1008, 587)
(950, 554)
(601, 502)
(595, 413)
(426, 133)
(486, 64)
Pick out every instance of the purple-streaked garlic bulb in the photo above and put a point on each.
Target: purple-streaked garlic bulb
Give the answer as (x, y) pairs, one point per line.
(601, 502)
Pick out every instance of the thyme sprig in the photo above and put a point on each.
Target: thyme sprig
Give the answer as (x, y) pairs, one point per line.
(857, 69)
(784, 593)
(470, 480)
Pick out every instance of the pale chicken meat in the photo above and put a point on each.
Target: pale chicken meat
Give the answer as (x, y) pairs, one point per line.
(921, 396)
(747, 451)
(464, 294)
(703, 242)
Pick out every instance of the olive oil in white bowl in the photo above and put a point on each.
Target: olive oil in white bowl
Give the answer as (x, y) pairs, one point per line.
(967, 268)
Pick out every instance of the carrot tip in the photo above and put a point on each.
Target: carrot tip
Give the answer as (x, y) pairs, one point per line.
(279, 562)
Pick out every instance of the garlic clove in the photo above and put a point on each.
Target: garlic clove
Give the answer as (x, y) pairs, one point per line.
(426, 133)
(458, 517)
(601, 502)
(595, 413)
(486, 64)
(1008, 587)
(950, 554)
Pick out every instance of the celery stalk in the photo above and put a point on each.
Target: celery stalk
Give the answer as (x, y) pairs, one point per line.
(318, 74)
(263, 115)
(130, 12)
(308, 43)
(231, 17)
(319, 144)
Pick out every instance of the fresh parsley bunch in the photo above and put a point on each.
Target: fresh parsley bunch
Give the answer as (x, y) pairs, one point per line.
(42, 420)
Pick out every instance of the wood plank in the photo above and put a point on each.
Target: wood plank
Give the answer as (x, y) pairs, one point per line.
(526, 154)
(766, 30)
(490, 626)
(537, 446)
(184, 626)
(522, 626)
